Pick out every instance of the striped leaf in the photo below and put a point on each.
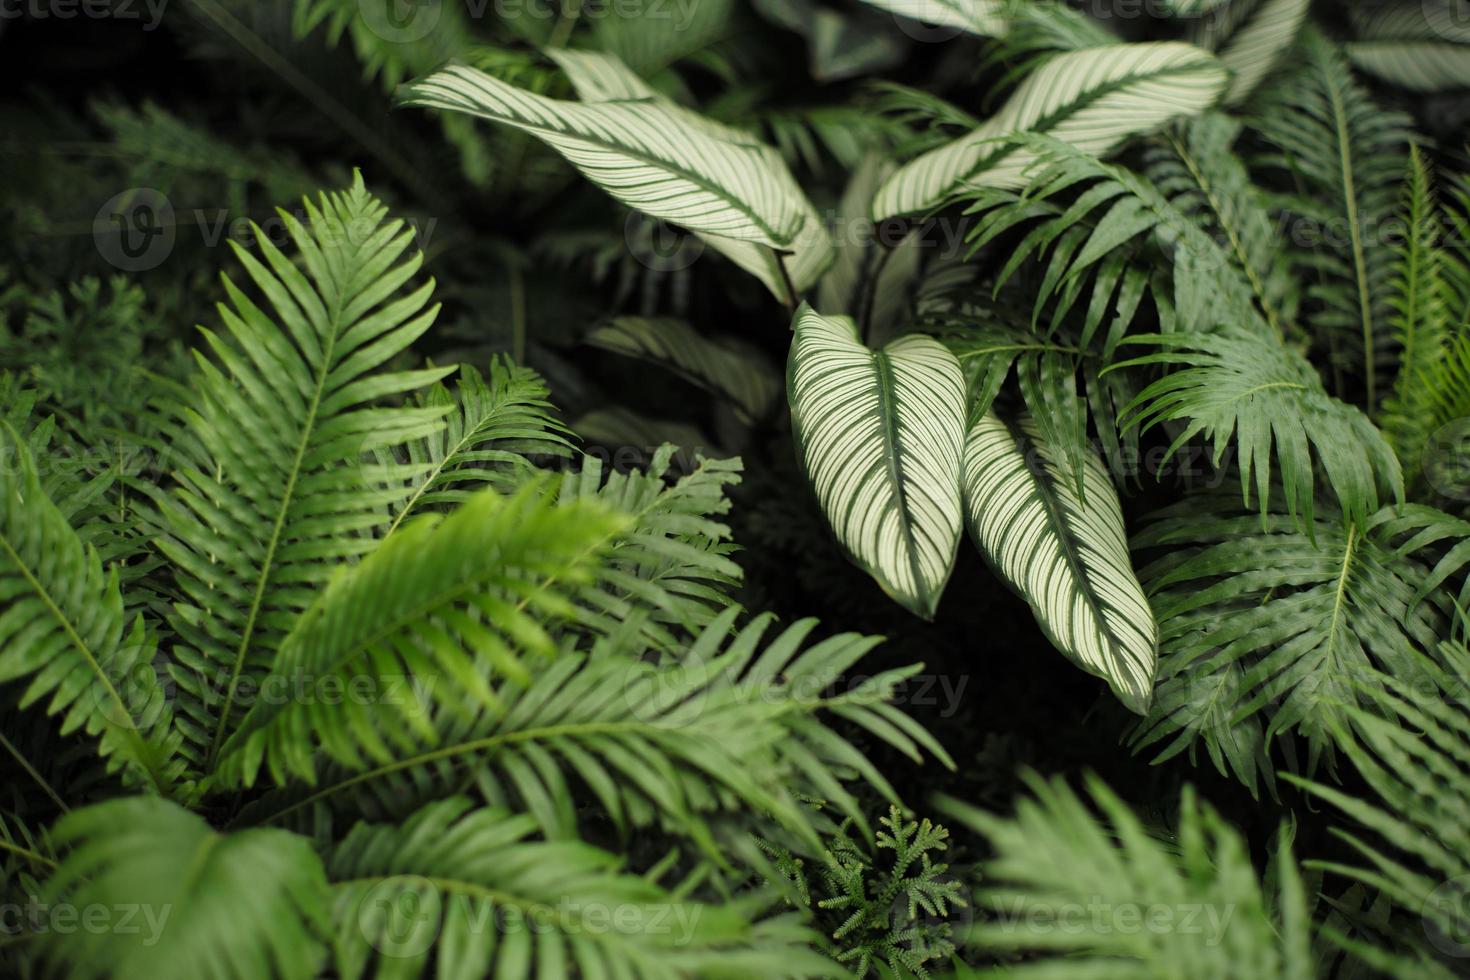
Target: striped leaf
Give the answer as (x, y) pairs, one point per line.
(736, 371)
(1249, 38)
(1066, 556)
(879, 434)
(599, 77)
(1191, 8)
(1093, 98)
(641, 153)
(984, 18)
(1423, 47)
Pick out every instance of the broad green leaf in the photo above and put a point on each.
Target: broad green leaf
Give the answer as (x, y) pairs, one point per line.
(1093, 99)
(879, 434)
(642, 154)
(1191, 8)
(985, 18)
(1066, 555)
(736, 371)
(600, 78)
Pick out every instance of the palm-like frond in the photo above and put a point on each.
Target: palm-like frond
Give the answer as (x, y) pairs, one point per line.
(1347, 156)
(1416, 756)
(65, 630)
(466, 887)
(1265, 402)
(671, 572)
(460, 601)
(736, 723)
(1087, 239)
(272, 488)
(1204, 179)
(222, 906)
(1421, 301)
(1064, 872)
(1269, 629)
(497, 430)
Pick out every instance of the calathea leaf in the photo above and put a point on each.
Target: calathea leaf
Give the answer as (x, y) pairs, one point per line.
(1424, 47)
(602, 78)
(879, 434)
(986, 18)
(1093, 99)
(641, 153)
(1066, 555)
(723, 365)
(1250, 37)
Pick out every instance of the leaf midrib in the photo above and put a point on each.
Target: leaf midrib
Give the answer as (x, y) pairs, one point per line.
(308, 429)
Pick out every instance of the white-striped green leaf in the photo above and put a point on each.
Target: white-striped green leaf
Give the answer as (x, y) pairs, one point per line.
(1094, 99)
(1424, 47)
(984, 18)
(880, 434)
(599, 77)
(642, 154)
(1249, 38)
(1066, 557)
(1192, 8)
(724, 366)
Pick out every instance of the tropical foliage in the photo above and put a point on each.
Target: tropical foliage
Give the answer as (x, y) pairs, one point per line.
(445, 579)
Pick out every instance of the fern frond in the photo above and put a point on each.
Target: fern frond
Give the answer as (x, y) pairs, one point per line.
(1347, 156)
(216, 906)
(66, 631)
(271, 490)
(1065, 873)
(1265, 402)
(458, 603)
(1271, 628)
(1415, 755)
(1203, 178)
(1079, 241)
(466, 887)
(734, 724)
(672, 572)
(497, 430)
(1420, 301)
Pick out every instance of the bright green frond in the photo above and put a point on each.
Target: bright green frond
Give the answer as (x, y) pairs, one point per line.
(455, 605)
